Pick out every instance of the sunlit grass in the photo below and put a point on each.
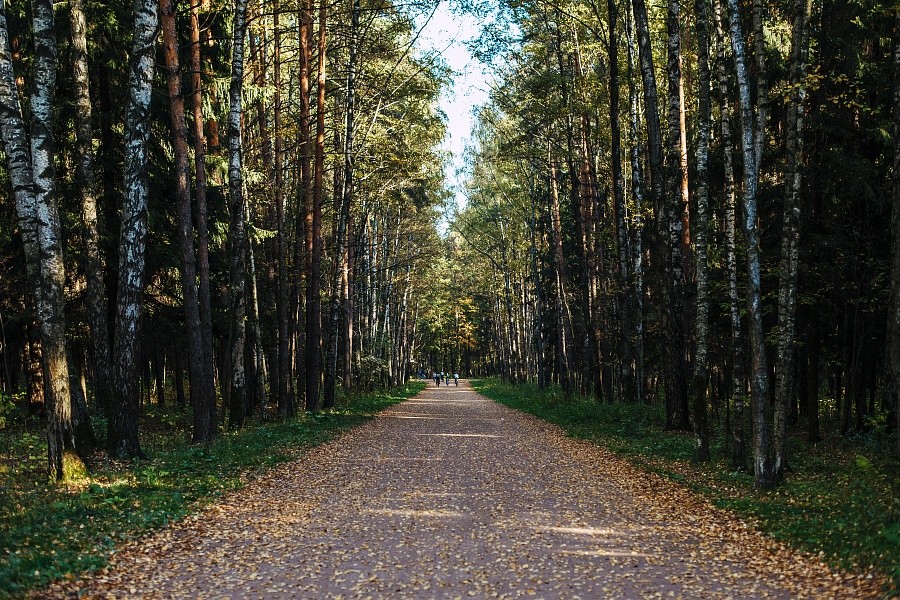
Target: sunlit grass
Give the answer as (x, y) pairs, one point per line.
(49, 532)
(840, 498)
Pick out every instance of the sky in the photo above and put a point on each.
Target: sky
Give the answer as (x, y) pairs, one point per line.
(447, 33)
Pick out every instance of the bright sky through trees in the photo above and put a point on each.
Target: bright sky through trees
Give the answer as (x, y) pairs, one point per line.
(447, 33)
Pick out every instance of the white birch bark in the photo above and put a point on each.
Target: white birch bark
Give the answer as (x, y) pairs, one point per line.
(762, 465)
(123, 426)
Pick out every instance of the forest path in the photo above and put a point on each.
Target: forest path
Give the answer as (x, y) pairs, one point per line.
(451, 495)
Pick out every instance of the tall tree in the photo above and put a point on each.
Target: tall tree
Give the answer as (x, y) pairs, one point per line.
(31, 171)
(343, 213)
(790, 236)
(208, 426)
(237, 296)
(93, 266)
(204, 425)
(704, 118)
(762, 463)
(122, 431)
(674, 225)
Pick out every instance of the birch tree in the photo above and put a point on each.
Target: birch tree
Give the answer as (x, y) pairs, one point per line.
(762, 464)
(237, 291)
(122, 430)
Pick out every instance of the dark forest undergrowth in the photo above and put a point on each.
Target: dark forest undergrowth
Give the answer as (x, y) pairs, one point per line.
(50, 532)
(840, 498)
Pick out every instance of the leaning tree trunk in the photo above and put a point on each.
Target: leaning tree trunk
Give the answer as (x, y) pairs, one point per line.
(790, 238)
(93, 268)
(237, 301)
(762, 464)
(700, 380)
(203, 429)
(122, 434)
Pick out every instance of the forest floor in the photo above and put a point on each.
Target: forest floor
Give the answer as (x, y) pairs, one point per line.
(451, 495)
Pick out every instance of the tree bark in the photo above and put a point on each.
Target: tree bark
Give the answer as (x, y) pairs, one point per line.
(790, 238)
(738, 382)
(762, 464)
(344, 213)
(673, 221)
(237, 230)
(97, 300)
(286, 319)
(204, 294)
(203, 429)
(122, 433)
(313, 225)
(700, 380)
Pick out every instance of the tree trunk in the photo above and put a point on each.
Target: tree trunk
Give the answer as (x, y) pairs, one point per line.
(237, 230)
(97, 301)
(637, 191)
(203, 430)
(122, 436)
(738, 385)
(700, 380)
(790, 237)
(344, 212)
(286, 318)
(313, 224)
(674, 229)
(762, 465)
(204, 294)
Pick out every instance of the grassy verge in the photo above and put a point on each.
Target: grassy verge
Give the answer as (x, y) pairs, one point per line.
(48, 532)
(840, 499)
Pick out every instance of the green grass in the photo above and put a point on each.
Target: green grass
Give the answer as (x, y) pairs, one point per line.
(49, 532)
(840, 498)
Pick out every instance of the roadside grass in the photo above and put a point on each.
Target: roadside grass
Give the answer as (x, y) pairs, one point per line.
(50, 532)
(839, 501)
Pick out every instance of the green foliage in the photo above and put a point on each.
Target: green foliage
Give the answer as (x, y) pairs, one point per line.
(838, 498)
(7, 407)
(50, 532)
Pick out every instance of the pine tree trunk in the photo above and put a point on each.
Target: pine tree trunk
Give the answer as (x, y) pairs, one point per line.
(563, 315)
(122, 435)
(762, 464)
(700, 380)
(237, 231)
(313, 224)
(790, 238)
(286, 318)
(203, 430)
(93, 267)
(204, 294)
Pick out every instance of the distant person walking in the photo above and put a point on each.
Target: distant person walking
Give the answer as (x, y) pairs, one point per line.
(456, 379)
(437, 379)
